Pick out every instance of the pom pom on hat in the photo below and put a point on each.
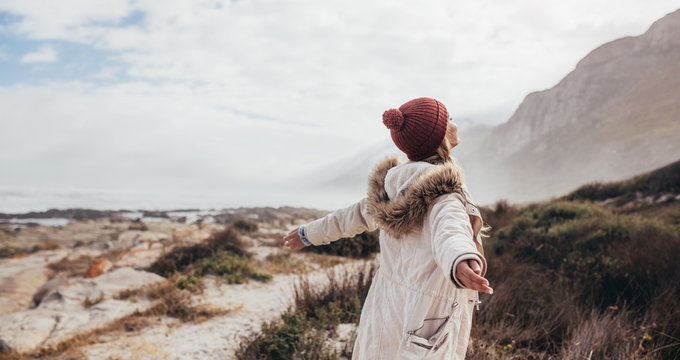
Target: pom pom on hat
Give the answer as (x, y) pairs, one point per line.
(393, 119)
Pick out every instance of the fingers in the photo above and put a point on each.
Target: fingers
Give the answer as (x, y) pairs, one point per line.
(293, 241)
(474, 265)
(471, 280)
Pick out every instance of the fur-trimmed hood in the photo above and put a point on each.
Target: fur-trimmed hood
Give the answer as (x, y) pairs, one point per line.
(405, 213)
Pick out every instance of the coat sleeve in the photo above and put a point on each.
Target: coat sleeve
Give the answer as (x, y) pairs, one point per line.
(346, 222)
(452, 236)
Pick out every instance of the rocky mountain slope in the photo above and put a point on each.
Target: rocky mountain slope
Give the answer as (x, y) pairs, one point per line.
(615, 115)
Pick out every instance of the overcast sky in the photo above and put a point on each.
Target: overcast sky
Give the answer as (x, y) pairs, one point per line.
(174, 96)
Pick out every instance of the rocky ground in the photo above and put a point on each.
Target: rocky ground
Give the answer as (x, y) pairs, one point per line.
(62, 290)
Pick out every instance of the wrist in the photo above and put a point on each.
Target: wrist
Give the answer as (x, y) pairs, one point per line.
(301, 233)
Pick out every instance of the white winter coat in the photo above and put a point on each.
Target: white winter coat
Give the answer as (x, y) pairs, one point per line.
(415, 308)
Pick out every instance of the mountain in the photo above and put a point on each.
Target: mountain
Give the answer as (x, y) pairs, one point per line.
(615, 115)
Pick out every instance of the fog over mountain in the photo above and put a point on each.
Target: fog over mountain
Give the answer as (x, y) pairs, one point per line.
(615, 115)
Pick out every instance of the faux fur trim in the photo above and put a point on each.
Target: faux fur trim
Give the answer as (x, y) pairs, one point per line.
(405, 214)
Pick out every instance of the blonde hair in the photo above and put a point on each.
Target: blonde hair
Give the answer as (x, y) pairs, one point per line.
(442, 154)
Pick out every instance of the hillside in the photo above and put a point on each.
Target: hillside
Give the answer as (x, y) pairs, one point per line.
(589, 275)
(659, 186)
(615, 115)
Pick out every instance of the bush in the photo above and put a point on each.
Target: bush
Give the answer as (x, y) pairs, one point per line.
(360, 246)
(598, 191)
(190, 283)
(573, 280)
(245, 225)
(662, 181)
(499, 216)
(302, 333)
(180, 258)
(235, 268)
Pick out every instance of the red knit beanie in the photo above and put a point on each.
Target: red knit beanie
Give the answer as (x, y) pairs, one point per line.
(418, 127)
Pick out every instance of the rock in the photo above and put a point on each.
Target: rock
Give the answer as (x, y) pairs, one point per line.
(190, 234)
(140, 257)
(130, 239)
(107, 285)
(98, 267)
(21, 278)
(33, 329)
(47, 288)
(344, 341)
(83, 252)
(61, 315)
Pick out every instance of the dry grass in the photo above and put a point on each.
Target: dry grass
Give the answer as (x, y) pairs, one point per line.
(499, 215)
(46, 245)
(288, 262)
(72, 267)
(79, 265)
(88, 303)
(284, 262)
(303, 333)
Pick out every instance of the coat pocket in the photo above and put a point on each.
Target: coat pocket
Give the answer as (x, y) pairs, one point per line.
(434, 332)
(431, 334)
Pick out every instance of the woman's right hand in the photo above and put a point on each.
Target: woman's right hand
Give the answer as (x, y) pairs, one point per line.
(293, 241)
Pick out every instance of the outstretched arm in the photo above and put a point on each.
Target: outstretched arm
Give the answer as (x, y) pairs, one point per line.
(345, 222)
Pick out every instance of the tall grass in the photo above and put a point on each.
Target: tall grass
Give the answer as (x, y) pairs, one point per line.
(303, 332)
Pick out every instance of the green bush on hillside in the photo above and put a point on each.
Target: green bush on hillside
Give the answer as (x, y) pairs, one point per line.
(574, 280)
(596, 250)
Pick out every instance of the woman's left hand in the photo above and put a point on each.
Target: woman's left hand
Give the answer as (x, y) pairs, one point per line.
(469, 273)
(293, 241)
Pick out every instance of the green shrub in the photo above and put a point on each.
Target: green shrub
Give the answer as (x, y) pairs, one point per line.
(598, 191)
(191, 283)
(360, 246)
(245, 225)
(236, 269)
(182, 258)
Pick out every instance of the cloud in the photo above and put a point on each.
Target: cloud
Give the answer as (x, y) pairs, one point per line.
(45, 54)
(225, 93)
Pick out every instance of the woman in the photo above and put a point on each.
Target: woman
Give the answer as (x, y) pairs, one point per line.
(432, 265)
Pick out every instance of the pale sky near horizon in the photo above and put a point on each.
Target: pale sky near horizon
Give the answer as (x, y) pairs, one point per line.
(239, 95)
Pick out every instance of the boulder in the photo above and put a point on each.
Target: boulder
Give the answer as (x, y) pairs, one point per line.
(21, 278)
